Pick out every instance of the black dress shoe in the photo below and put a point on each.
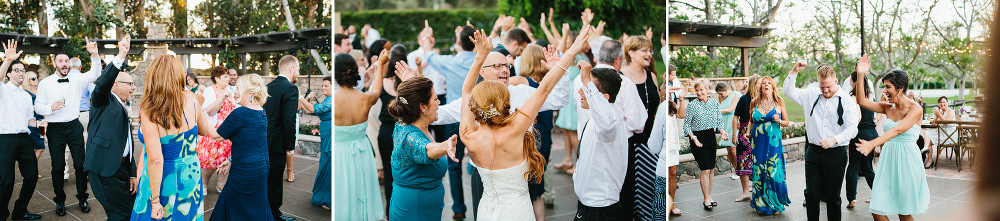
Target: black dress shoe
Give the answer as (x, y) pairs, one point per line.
(60, 209)
(284, 218)
(27, 216)
(85, 207)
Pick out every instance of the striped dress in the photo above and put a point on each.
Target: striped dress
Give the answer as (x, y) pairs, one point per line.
(645, 162)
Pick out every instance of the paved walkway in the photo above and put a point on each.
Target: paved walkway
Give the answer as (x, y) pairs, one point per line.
(951, 196)
(297, 195)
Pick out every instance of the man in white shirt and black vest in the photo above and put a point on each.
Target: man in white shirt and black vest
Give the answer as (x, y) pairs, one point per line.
(15, 144)
(600, 171)
(831, 122)
(58, 100)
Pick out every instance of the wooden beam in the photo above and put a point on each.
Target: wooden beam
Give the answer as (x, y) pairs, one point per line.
(716, 41)
(744, 62)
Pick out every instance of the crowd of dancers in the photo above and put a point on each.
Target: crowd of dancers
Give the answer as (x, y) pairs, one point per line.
(497, 98)
(841, 134)
(238, 129)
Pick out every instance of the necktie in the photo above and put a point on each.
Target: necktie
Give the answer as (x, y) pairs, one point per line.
(64, 80)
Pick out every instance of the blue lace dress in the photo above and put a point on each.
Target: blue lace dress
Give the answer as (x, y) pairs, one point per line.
(321, 187)
(418, 192)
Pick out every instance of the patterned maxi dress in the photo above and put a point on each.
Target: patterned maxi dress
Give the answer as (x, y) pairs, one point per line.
(769, 191)
(212, 153)
(744, 150)
(181, 186)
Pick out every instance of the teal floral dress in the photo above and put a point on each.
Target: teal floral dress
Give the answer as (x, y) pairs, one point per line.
(769, 193)
(181, 187)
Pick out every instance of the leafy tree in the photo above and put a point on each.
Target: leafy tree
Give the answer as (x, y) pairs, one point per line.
(17, 15)
(85, 18)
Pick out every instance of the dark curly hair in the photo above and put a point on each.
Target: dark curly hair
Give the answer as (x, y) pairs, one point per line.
(345, 70)
(415, 91)
(897, 78)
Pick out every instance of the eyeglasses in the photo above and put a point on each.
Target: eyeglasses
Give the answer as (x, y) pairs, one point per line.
(19, 70)
(126, 82)
(498, 66)
(32, 79)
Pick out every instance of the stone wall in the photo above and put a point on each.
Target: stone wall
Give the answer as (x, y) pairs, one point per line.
(688, 169)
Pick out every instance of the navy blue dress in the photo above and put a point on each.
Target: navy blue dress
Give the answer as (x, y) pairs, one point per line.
(36, 135)
(245, 194)
(543, 142)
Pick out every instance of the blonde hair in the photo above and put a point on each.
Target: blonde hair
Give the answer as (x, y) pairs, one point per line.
(286, 61)
(752, 89)
(27, 85)
(531, 64)
(490, 104)
(163, 94)
(825, 71)
(634, 43)
(256, 91)
(702, 83)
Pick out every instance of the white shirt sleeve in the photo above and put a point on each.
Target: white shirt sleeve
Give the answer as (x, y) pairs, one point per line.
(631, 107)
(559, 96)
(94, 73)
(209, 94)
(603, 114)
(449, 113)
(793, 93)
(657, 137)
(42, 105)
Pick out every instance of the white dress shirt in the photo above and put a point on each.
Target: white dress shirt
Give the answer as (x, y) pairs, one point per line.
(628, 102)
(210, 94)
(15, 109)
(600, 171)
(372, 37)
(128, 140)
(429, 73)
(50, 91)
(822, 122)
(660, 143)
(559, 97)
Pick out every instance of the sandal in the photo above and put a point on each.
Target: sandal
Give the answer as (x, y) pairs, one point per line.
(742, 199)
(675, 212)
(708, 207)
(291, 175)
(852, 204)
(714, 203)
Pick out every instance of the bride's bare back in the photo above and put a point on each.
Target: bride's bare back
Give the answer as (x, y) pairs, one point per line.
(497, 148)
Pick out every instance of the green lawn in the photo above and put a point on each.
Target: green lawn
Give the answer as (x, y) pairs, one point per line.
(795, 113)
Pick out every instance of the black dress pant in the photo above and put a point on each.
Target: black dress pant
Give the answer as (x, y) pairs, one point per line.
(385, 153)
(113, 192)
(626, 198)
(609, 213)
(859, 164)
(60, 136)
(824, 177)
(17, 148)
(274, 178)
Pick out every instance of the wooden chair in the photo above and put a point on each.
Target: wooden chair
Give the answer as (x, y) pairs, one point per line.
(969, 138)
(951, 142)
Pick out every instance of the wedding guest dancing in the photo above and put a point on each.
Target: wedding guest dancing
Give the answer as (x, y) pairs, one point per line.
(418, 163)
(170, 184)
(600, 172)
(59, 101)
(357, 188)
(770, 193)
(741, 136)
(900, 186)
(245, 197)
(702, 121)
(860, 164)
(109, 161)
(831, 122)
(281, 108)
(321, 185)
(14, 137)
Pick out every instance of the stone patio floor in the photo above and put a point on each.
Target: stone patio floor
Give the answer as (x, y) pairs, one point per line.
(297, 195)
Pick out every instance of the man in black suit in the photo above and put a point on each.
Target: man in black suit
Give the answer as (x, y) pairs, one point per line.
(280, 108)
(112, 171)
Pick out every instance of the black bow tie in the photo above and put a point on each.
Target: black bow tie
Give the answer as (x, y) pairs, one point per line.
(64, 80)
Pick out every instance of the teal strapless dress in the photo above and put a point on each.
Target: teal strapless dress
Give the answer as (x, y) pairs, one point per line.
(900, 186)
(356, 193)
(181, 187)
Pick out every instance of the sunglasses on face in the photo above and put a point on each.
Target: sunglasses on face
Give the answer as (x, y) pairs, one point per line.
(32, 79)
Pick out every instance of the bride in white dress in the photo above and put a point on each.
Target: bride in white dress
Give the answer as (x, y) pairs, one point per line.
(499, 142)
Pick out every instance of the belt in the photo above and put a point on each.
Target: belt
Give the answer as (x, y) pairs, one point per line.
(585, 208)
(72, 121)
(13, 135)
(820, 146)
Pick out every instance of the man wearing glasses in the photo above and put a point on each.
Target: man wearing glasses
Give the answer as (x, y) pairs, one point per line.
(109, 161)
(14, 139)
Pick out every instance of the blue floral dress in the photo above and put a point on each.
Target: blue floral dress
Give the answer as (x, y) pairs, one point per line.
(181, 186)
(769, 192)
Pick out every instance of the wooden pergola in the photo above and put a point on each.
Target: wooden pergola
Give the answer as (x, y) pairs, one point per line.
(287, 41)
(688, 33)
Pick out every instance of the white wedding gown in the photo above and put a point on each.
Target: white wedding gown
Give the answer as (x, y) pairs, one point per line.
(505, 194)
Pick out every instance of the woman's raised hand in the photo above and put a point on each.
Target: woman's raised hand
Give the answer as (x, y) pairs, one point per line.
(551, 56)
